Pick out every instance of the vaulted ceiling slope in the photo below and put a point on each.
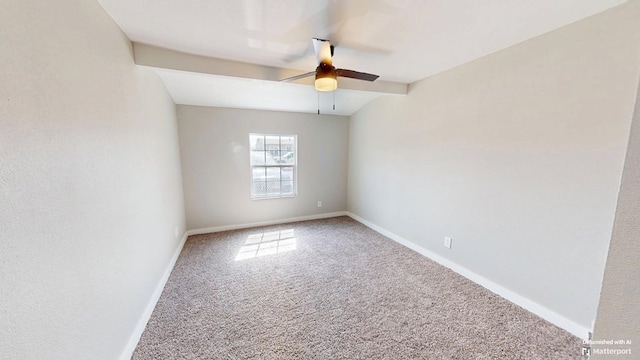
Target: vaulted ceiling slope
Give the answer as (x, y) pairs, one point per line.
(230, 53)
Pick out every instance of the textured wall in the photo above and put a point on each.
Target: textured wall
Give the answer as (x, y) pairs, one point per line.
(517, 156)
(215, 164)
(90, 183)
(619, 309)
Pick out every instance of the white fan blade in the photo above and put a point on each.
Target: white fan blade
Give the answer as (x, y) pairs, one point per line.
(323, 51)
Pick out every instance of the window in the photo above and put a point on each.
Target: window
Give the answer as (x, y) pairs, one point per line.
(273, 166)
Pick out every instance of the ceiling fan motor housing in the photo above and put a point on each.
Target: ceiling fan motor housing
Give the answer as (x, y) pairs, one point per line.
(326, 77)
(326, 74)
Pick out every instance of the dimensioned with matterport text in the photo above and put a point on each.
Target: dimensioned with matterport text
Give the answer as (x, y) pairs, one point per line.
(610, 347)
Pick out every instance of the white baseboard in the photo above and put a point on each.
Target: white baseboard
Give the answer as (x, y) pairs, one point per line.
(549, 315)
(153, 300)
(264, 223)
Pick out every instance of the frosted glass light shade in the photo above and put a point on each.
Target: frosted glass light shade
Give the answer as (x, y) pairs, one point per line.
(326, 83)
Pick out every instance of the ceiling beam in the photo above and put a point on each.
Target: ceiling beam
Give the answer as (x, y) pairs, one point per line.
(157, 57)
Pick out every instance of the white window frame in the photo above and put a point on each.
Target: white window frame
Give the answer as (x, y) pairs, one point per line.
(272, 165)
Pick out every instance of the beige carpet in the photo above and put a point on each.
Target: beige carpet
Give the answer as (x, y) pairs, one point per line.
(333, 289)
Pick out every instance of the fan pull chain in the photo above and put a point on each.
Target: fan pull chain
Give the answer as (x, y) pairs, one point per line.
(318, 92)
(334, 100)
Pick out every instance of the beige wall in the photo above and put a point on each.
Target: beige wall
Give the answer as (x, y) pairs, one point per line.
(517, 156)
(215, 165)
(90, 182)
(619, 309)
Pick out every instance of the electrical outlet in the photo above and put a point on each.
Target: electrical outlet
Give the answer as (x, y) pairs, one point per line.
(447, 242)
(319, 203)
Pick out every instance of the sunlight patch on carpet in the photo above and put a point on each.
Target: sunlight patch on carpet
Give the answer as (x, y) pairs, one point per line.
(267, 243)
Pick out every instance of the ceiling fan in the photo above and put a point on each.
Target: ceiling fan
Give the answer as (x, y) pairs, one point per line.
(326, 74)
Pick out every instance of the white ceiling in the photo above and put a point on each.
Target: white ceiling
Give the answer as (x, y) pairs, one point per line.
(403, 41)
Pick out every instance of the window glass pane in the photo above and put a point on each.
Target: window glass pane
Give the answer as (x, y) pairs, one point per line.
(273, 174)
(259, 173)
(288, 158)
(273, 188)
(270, 159)
(287, 188)
(276, 156)
(256, 142)
(272, 144)
(287, 143)
(259, 186)
(257, 158)
(287, 173)
(259, 189)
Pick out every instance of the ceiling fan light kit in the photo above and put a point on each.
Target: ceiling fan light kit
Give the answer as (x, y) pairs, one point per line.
(326, 78)
(326, 74)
